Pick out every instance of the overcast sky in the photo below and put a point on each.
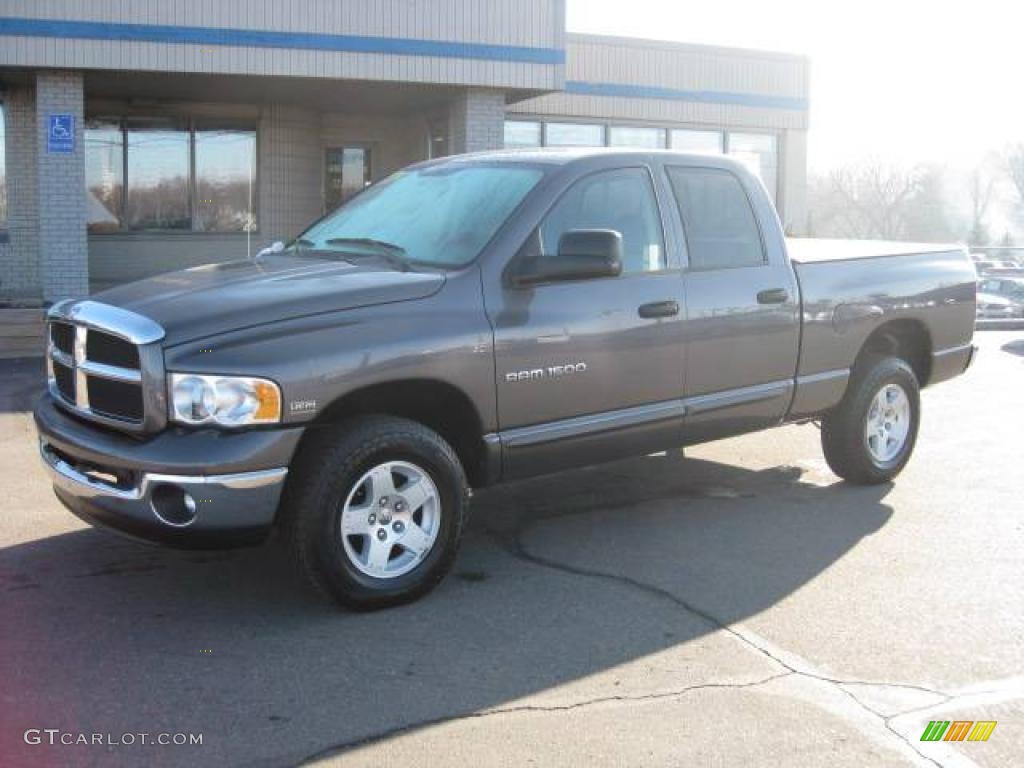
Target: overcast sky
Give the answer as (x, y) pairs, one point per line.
(903, 79)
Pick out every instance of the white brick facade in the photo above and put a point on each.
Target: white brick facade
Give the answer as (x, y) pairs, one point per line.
(290, 174)
(19, 257)
(476, 121)
(60, 191)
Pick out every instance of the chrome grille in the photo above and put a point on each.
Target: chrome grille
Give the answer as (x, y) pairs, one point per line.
(104, 364)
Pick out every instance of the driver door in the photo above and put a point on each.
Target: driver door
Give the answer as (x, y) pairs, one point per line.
(590, 370)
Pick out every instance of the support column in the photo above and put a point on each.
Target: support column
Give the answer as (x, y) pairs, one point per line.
(793, 192)
(476, 121)
(63, 251)
(290, 172)
(19, 256)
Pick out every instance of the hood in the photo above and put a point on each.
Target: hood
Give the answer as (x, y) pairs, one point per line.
(217, 298)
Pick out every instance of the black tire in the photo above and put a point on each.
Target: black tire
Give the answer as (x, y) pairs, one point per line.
(843, 428)
(325, 473)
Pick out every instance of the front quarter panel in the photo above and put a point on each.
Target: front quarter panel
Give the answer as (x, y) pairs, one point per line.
(316, 360)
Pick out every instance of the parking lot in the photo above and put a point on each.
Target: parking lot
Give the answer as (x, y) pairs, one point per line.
(738, 606)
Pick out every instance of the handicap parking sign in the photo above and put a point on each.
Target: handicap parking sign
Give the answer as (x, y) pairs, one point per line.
(60, 136)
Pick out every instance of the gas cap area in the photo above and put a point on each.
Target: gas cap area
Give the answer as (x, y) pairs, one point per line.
(844, 316)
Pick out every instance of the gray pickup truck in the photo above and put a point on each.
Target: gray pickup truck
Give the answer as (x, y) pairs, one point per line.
(476, 320)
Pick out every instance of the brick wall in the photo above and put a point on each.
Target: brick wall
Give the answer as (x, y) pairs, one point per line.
(476, 121)
(64, 261)
(290, 174)
(19, 257)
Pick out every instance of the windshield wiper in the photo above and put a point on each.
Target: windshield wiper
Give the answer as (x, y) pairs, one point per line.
(373, 243)
(391, 253)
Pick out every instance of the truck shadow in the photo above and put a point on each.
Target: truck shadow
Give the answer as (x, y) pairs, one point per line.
(560, 578)
(23, 379)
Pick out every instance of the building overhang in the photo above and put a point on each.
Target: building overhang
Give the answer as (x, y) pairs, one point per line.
(420, 45)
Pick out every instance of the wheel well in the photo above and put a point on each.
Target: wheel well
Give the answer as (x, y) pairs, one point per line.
(905, 339)
(437, 405)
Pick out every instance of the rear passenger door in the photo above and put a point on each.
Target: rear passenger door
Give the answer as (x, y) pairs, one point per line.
(742, 304)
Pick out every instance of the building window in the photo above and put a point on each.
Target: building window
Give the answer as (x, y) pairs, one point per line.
(437, 137)
(3, 171)
(521, 134)
(104, 174)
(758, 152)
(157, 175)
(699, 142)
(347, 171)
(225, 178)
(633, 136)
(169, 174)
(573, 135)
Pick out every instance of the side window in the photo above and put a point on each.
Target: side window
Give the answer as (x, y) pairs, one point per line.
(622, 200)
(721, 231)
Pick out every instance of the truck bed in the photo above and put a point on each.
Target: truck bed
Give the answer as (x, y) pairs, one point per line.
(849, 289)
(809, 250)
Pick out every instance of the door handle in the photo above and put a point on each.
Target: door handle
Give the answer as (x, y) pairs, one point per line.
(659, 309)
(773, 296)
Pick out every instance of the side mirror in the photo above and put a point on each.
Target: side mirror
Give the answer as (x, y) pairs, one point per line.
(583, 254)
(276, 247)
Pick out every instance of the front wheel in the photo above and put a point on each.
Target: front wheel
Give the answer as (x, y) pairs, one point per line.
(375, 511)
(869, 437)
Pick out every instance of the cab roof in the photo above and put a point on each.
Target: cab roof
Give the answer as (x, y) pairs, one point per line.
(567, 155)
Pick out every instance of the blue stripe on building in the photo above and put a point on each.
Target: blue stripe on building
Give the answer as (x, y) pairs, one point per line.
(315, 41)
(623, 90)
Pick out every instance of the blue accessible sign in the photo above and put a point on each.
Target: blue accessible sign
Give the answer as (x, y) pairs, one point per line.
(60, 134)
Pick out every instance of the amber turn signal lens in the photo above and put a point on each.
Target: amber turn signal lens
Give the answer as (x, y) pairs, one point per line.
(269, 399)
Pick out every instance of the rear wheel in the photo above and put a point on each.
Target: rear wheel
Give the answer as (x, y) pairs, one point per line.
(869, 437)
(375, 511)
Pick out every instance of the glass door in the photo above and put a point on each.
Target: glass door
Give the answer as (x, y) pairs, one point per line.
(347, 170)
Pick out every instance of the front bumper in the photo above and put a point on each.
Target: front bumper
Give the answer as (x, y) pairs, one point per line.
(210, 489)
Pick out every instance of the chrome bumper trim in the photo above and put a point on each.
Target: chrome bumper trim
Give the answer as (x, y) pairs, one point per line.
(239, 500)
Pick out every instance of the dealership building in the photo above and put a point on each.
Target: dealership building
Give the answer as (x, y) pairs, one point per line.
(143, 137)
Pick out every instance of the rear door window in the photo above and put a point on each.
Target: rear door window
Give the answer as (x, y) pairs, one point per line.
(718, 220)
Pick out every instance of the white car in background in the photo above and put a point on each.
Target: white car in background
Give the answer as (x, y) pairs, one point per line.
(993, 307)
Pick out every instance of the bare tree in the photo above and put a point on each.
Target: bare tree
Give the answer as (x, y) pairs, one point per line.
(1013, 160)
(876, 200)
(980, 186)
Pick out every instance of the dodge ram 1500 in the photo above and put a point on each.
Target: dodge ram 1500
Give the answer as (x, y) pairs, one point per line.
(480, 319)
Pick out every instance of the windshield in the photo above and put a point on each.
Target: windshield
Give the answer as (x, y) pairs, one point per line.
(441, 215)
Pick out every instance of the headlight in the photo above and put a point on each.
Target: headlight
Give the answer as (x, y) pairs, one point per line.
(230, 401)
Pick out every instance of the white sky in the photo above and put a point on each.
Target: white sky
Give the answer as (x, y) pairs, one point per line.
(905, 80)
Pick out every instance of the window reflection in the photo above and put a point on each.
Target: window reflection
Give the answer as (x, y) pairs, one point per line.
(633, 136)
(225, 163)
(759, 153)
(3, 171)
(104, 174)
(522, 134)
(158, 173)
(573, 135)
(699, 142)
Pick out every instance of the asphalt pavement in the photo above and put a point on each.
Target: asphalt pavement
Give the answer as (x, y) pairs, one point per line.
(739, 606)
